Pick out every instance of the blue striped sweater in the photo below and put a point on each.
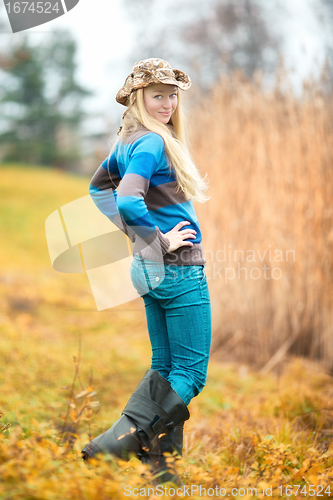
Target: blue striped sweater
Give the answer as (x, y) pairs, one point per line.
(135, 188)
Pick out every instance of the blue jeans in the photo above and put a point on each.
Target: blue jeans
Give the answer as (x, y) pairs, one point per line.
(178, 315)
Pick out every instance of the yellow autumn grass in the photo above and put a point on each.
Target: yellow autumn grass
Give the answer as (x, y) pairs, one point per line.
(58, 354)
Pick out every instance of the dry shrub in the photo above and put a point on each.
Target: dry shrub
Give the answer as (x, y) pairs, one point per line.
(78, 412)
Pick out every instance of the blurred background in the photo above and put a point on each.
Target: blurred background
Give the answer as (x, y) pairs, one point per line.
(59, 80)
(261, 126)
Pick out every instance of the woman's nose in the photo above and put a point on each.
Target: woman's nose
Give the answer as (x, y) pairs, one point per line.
(167, 104)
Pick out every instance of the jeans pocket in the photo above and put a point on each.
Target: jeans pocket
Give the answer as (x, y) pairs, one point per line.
(146, 277)
(133, 272)
(137, 281)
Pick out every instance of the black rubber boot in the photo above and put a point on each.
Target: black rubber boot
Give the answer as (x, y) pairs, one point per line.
(163, 470)
(152, 412)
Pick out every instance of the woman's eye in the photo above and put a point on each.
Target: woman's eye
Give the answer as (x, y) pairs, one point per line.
(175, 95)
(157, 96)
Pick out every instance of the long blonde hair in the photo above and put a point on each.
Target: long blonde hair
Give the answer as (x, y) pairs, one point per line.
(189, 180)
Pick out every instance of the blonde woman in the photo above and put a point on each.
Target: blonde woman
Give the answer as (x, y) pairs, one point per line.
(154, 206)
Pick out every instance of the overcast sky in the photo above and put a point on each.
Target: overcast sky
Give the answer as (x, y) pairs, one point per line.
(104, 37)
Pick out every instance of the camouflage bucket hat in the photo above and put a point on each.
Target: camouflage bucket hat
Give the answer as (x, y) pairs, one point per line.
(150, 71)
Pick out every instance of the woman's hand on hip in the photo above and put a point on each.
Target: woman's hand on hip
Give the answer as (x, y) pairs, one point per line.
(177, 237)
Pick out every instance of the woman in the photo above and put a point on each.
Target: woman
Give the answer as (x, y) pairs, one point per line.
(153, 206)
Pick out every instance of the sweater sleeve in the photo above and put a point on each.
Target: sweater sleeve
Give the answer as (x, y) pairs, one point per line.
(144, 158)
(103, 190)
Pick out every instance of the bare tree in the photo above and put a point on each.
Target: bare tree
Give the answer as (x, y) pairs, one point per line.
(4, 24)
(324, 12)
(207, 38)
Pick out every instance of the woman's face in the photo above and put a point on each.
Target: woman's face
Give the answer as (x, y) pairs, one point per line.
(160, 101)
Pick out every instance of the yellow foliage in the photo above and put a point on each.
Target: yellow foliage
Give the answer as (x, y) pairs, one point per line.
(247, 430)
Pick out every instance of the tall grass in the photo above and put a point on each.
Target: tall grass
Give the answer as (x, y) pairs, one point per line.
(269, 157)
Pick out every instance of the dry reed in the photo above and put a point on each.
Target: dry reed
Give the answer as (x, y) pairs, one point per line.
(269, 158)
